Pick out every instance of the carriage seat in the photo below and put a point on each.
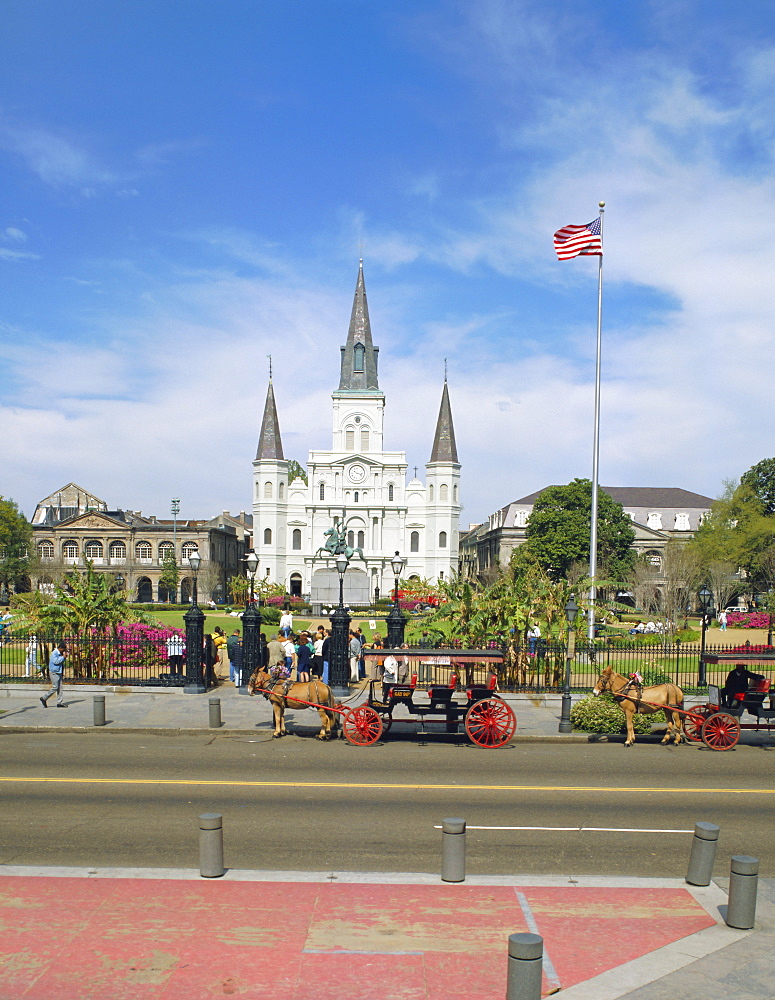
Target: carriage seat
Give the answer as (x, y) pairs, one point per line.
(443, 692)
(475, 692)
(403, 692)
(753, 699)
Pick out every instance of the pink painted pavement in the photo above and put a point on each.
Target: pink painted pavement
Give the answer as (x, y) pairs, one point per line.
(157, 939)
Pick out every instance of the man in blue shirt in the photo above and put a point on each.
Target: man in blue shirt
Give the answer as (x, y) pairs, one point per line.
(56, 669)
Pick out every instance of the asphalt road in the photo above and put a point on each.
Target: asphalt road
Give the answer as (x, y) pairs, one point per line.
(107, 799)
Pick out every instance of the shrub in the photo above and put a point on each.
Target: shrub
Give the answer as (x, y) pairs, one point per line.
(603, 715)
(748, 619)
(270, 616)
(687, 635)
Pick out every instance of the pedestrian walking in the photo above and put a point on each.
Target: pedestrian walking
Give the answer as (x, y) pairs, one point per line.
(722, 620)
(56, 669)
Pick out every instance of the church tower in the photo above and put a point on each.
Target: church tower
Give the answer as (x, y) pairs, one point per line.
(359, 483)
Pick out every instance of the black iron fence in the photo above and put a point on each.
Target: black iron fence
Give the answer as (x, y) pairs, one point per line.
(536, 667)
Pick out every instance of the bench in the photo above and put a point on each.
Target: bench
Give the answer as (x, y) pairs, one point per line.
(443, 692)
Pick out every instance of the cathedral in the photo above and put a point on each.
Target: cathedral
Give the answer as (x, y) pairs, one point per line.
(358, 486)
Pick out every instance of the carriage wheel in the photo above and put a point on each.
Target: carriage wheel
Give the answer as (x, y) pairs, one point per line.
(361, 726)
(490, 723)
(720, 731)
(694, 721)
(387, 722)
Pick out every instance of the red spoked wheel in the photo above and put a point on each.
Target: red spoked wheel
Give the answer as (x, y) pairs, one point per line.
(362, 726)
(721, 731)
(490, 723)
(694, 721)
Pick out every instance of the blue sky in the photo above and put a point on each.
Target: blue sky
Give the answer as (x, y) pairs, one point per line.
(187, 188)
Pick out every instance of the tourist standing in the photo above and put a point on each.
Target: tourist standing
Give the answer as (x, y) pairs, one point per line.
(219, 638)
(234, 649)
(31, 657)
(286, 623)
(56, 669)
(355, 656)
(175, 647)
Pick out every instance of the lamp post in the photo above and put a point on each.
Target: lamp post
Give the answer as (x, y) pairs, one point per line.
(175, 508)
(195, 622)
(396, 623)
(251, 625)
(340, 635)
(705, 598)
(119, 582)
(571, 610)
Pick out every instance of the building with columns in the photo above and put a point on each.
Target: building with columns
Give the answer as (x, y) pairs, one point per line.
(358, 483)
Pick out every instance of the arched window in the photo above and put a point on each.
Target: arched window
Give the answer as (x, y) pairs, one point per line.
(296, 539)
(349, 439)
(281, 491)
(117, 552)
(351, 539)
(430, 492)
(93, 549)
(166, 549)
(364, 438)
(267, 536)
(70, 549)
(414, 541)
(454, 494)
(188, 548)
(655, 561)
(356, 497)
(361, 539)
(322, 491)
(359, 354)
(267, 491)
(143, 551)
(443, 492)
(258, 489)
(390, 491)
(46, 550)
(442, 539)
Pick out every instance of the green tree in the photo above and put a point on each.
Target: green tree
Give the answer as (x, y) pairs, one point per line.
(15, 539)
(168, 578)
(760, 479)
(558, 529)
(296, 471)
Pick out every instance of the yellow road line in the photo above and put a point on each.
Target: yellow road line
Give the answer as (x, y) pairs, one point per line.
(661, 789)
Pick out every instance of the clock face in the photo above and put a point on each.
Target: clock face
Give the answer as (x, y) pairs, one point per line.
(357, 473)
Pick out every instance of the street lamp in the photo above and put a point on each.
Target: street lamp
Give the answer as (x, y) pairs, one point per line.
(195, 622)
(251, 625)
(119, 582)
(396, 623)
(339, 654)
(571, 610)
(705, 598)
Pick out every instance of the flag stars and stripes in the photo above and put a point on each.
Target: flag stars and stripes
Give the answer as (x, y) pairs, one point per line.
(575, 241)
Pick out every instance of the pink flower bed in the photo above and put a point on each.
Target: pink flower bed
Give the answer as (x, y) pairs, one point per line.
(748, 619)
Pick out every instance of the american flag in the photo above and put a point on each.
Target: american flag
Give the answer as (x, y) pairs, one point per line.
(573, 241)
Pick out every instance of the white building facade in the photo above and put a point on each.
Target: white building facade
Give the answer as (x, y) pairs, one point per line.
(359, 484)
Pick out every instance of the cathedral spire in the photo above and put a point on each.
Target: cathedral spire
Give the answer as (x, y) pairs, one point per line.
(269, 443)
(444, 447)
(359, 355)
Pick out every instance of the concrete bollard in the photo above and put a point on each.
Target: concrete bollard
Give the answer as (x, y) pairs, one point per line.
(743, 886)
(215, 713)
(98, 709)
(211, 845)
(703, 854)
(453, 850)
(526, 953)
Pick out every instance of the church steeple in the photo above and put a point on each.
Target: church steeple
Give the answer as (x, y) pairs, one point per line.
(359, 355)
(444, 447)
(269, 443)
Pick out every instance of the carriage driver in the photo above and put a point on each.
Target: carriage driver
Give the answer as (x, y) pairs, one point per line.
(736, 683)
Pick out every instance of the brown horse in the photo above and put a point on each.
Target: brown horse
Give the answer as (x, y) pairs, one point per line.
(299, 695)
(632, 697)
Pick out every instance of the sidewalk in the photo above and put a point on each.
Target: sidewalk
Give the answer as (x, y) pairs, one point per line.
(166, 935)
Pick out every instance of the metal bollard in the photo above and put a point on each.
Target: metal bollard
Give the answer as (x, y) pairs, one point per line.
(526, 953)
(211, 845)
(743, 885)
(215, 713)
(453, 850)
(703, 854)
(98, 708)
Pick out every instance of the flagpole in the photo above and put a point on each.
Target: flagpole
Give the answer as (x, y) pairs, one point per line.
(596, 446)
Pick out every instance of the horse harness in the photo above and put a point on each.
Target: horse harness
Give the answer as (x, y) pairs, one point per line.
(634, 682)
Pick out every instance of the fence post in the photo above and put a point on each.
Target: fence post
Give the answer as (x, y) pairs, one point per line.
(215, 713)
(526, 952)
(453, 850)
(703, 854)
(211, 845)
(98, 709)
(743, 885)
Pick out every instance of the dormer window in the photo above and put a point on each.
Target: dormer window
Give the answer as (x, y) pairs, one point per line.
(359, 357)
(654, 521)
(682, 522)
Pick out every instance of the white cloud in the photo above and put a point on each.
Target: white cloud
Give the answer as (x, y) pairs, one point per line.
(17, 235)
(16, 255)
